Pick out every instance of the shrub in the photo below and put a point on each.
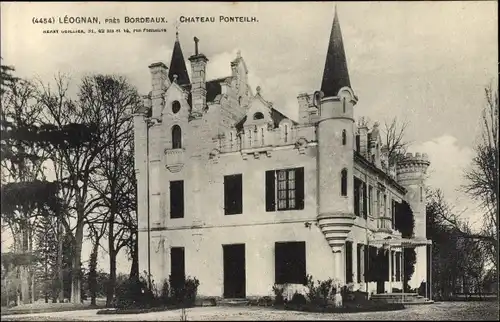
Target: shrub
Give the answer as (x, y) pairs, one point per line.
(135, 293)
(164, 297)
(298, 300)
(278, 291)
(183, 292)
(322, 293)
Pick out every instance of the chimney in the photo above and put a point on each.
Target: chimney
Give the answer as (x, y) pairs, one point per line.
(303, 100)
(364, 148)
(159, 77)
(198, 82)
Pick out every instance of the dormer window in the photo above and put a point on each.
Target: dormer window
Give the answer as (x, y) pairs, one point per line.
(258, 116)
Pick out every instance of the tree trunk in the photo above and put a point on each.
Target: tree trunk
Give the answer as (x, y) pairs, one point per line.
(77, 265)
(59, 265)
(112, 259)
(32, 266)
(134, 269)
(93, 272)
(112, 278)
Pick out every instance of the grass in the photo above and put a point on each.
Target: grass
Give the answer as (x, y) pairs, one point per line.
(46, 308)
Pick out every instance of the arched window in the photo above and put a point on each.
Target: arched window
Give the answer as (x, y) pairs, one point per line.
(262, 135)
(421, 194)
(344, 137)
(258, 116)
(343, 104)
(343, 182)
(239, 100)
(176, 137)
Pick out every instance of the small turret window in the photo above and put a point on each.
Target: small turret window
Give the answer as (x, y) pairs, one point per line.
(344, 137)
(176, 106)
(176, 137)
(421, 194)
(343, 104)
(343, 182)
(258, 116)
(286, 133)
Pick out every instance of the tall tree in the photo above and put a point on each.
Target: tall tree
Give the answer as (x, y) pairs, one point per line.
(115, 177)
(482, 177)
(74, 157)
(22, 165)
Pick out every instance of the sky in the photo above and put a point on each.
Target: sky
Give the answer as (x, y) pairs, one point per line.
(424, 62)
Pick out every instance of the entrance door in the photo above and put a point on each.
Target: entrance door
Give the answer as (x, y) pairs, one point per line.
(234, 271)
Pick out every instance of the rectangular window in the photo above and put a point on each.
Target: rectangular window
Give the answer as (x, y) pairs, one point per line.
(290, 262)
(365, 263)
(398, 266)
(359, 260)
(348, 261)
(378, 205)
(393, 214)
(233, 194)
(356, 197)
(384, 210)
(370, 200)
(287, 186)
(177, 265)
(364, 201)
(393, 265)
(177, 199)
(358, 143)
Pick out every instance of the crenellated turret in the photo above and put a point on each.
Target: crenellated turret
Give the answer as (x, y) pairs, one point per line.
(411, 174)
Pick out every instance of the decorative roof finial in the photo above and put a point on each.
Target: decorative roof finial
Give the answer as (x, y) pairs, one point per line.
(258, 90)
(175, 78)
(177, 24)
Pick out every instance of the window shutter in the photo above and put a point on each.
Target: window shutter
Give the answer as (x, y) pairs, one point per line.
(365, 206)
(238, 207)
(299, 186)
(348, 261)
(270, 191)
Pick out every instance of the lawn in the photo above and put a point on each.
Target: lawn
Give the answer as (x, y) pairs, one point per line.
(485, 311)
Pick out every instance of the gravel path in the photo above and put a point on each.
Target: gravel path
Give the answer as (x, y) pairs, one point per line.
(486, 311)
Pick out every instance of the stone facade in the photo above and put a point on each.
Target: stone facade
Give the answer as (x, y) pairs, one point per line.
(338, 190)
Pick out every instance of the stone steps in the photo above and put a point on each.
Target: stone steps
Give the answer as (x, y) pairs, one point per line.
(406, 298)
(233, 302)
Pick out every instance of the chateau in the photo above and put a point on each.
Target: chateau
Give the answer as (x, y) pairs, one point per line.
(235, 193)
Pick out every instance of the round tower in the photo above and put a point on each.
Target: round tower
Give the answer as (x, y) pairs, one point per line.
(411, 174)
(335, 160)
(335, 166)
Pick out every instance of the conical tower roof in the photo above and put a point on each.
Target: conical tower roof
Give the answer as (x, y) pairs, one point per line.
(178, 65)
(335, 75)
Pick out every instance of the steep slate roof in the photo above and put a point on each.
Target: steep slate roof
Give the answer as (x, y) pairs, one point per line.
(335, 75)
(178, 65)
